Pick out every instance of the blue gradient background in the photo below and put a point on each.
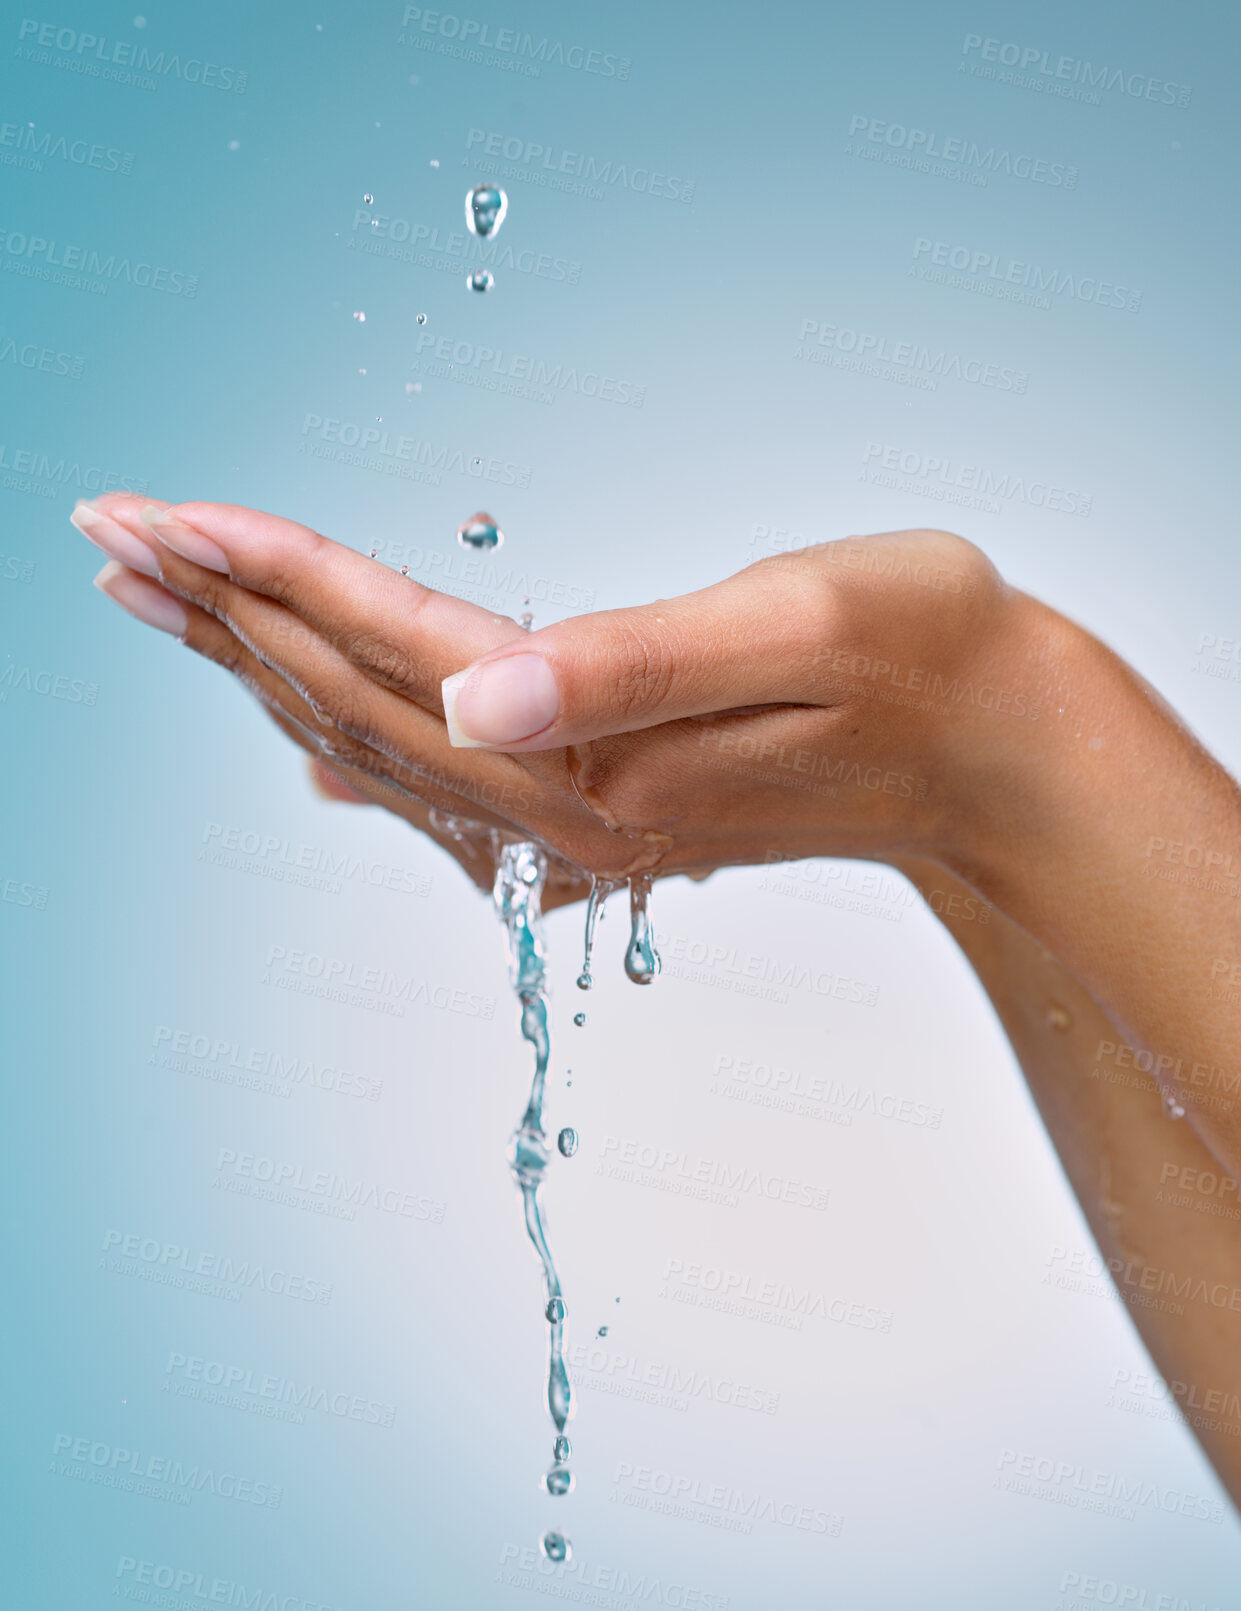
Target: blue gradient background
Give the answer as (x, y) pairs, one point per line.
(127, 928)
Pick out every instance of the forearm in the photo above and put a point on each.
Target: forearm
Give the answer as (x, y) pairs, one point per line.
(1138, 1177)
(1106, 831)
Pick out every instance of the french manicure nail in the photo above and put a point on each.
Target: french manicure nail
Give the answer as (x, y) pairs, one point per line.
(500, 702)
(113, 539)
(144, 600)
(185, 541)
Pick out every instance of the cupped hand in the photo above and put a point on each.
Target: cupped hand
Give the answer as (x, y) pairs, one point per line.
(817, 704)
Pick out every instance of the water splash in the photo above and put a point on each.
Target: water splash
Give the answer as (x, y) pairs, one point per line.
(521, 873)
(641, 958)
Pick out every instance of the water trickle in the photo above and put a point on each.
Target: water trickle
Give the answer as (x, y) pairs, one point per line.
(567, 1142)
(559, 1480)
(556, 1546)
(521, 872)
(641, 958)
(579, 1018)
(480, 532)
(486, 207)
(480, 280)
(599, 892)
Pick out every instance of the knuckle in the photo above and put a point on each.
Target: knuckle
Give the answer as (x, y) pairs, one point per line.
(391, 664)
(644, 673)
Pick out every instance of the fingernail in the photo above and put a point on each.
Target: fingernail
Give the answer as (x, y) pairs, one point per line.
(144, 600)
(113, 539)
(185, 541)
(500, 702)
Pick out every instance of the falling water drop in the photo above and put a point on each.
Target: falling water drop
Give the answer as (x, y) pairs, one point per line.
(559, 1480)
(368, 198)
(480, 532)
(360, 316)
(602, 1331)
(567, 1142)
(480, 280)
(641, 958)
(485, 209)
(579, 1018)
(555, 1310)
(556, 1547)
(561, 1449)
(422, 318)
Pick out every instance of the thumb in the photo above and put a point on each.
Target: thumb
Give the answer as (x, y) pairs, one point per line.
(755, 639)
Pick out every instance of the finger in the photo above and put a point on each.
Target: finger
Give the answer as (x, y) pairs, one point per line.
(753, 640)
(403, 635)
(329, 785)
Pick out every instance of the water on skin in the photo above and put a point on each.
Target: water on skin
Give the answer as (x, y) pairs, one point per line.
(600, 889)
(480, 532)
(521, 872)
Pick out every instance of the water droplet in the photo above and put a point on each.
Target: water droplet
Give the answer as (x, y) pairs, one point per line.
(360, 317)
(556, 1546)
(374, 553)
(409, 386)
(234, 145)
(435, 162)
(422, 318)
(485, 209)
(1171, 1106)
(579, 1018)
(480, 532)
(561, 1449)
(602, 1331)
(555, 1310)
(368, 198)
(526, 621)
(480, 280)
(567, 1142)
(404, 570)
(1059, 1018)
(641, 958)
(559, 1480)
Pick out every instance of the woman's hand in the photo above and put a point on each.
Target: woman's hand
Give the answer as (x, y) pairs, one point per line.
(840, 701)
